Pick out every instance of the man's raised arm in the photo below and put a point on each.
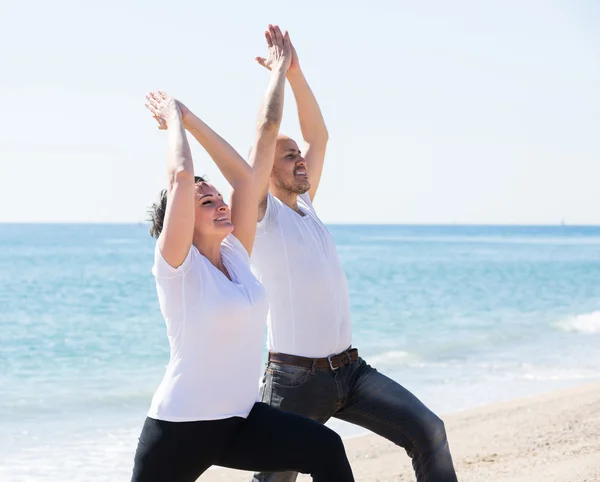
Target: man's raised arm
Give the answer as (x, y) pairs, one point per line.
(269, 118)
(312, 124)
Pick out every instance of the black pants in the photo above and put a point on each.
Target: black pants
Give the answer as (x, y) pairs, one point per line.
(268, 440)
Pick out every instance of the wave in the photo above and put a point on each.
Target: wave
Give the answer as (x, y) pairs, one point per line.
(588, 323)
(391, 358)
(121, 241)
(558, 375)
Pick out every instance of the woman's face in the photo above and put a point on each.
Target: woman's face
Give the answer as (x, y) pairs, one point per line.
(213, 217)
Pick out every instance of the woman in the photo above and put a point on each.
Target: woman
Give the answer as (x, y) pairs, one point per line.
(205, 412)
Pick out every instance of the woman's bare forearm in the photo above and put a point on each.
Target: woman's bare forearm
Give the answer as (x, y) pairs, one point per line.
(179, 155)
(233, 167)
(311, 119)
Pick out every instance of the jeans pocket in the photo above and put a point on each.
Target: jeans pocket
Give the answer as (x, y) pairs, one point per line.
(287, 376)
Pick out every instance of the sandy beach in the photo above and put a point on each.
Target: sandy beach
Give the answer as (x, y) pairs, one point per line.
(546, 438)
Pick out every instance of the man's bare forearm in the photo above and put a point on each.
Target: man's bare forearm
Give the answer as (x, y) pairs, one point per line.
(267, 130)
(262, 155)
(311, 119)
(271, 112)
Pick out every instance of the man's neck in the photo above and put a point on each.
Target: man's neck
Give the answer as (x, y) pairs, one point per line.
(290, 199)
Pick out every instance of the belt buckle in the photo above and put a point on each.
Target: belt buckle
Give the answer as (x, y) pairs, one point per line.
(331, 364)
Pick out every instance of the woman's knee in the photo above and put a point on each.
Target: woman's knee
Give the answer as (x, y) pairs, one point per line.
(327, 441)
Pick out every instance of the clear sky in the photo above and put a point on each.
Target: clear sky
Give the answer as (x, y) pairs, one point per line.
(438, 111)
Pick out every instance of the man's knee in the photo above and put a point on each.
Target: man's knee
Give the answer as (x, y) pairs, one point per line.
(434, 433)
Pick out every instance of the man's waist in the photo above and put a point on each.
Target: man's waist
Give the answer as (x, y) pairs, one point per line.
(331, 362)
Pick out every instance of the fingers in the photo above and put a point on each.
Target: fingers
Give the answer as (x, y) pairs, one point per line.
(268, 37)
(262, 61)
(274, 39)
(154, 103)
(152, 110)
(158, 96)
(162, 125)
(157, 99)
(279, 34)
(152, 100)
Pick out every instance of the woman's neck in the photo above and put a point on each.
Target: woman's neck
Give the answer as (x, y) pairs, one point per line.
(211, 250)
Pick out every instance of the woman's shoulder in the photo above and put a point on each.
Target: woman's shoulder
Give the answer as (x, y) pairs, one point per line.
(233, 246)
(162, 269)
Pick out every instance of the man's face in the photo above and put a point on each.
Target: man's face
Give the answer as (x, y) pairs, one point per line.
(289, 169)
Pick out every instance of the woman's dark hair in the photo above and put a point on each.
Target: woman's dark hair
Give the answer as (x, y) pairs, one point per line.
(156, 212)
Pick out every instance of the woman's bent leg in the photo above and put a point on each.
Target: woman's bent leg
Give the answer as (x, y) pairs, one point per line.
(180, 451)
(271, 440)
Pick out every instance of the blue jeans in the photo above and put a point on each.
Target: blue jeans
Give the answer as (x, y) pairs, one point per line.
(359, 394)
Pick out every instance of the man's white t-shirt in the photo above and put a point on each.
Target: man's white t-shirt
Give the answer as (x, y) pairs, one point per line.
(296, 260)
(215, 328)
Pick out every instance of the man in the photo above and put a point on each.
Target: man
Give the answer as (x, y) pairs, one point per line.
(312, 369)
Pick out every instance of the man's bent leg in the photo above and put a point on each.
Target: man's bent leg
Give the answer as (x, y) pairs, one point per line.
(381, 405)
(298, 390)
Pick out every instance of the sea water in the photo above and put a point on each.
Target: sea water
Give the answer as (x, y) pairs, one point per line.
(460, 315)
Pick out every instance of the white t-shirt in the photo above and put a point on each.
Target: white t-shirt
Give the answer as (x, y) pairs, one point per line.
(295, 259)
(215, 328)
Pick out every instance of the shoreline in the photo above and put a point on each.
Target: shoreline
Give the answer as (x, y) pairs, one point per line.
(551, 437)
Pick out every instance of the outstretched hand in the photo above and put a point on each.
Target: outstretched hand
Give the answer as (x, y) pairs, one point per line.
(164, 108)
(281, 52)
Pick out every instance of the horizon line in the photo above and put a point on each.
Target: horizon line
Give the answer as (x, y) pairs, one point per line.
(359, 223)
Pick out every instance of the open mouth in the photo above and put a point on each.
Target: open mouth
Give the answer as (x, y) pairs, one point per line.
(221, 219)
(300, 173)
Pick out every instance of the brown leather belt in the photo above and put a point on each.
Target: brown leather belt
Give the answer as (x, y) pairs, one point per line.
(332, 362)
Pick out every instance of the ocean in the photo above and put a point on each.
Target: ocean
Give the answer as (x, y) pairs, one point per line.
(460, 315)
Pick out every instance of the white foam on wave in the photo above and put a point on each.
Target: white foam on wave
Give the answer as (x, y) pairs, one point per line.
(120, 241)
(395, 359)
(588, 323)
(94, 455)
(391, 358)
(557, 375)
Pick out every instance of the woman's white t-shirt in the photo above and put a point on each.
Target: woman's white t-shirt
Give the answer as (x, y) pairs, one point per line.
(215, 328)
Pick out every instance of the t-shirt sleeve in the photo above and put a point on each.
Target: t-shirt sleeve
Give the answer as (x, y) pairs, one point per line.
(162, 269)
(273, 207)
